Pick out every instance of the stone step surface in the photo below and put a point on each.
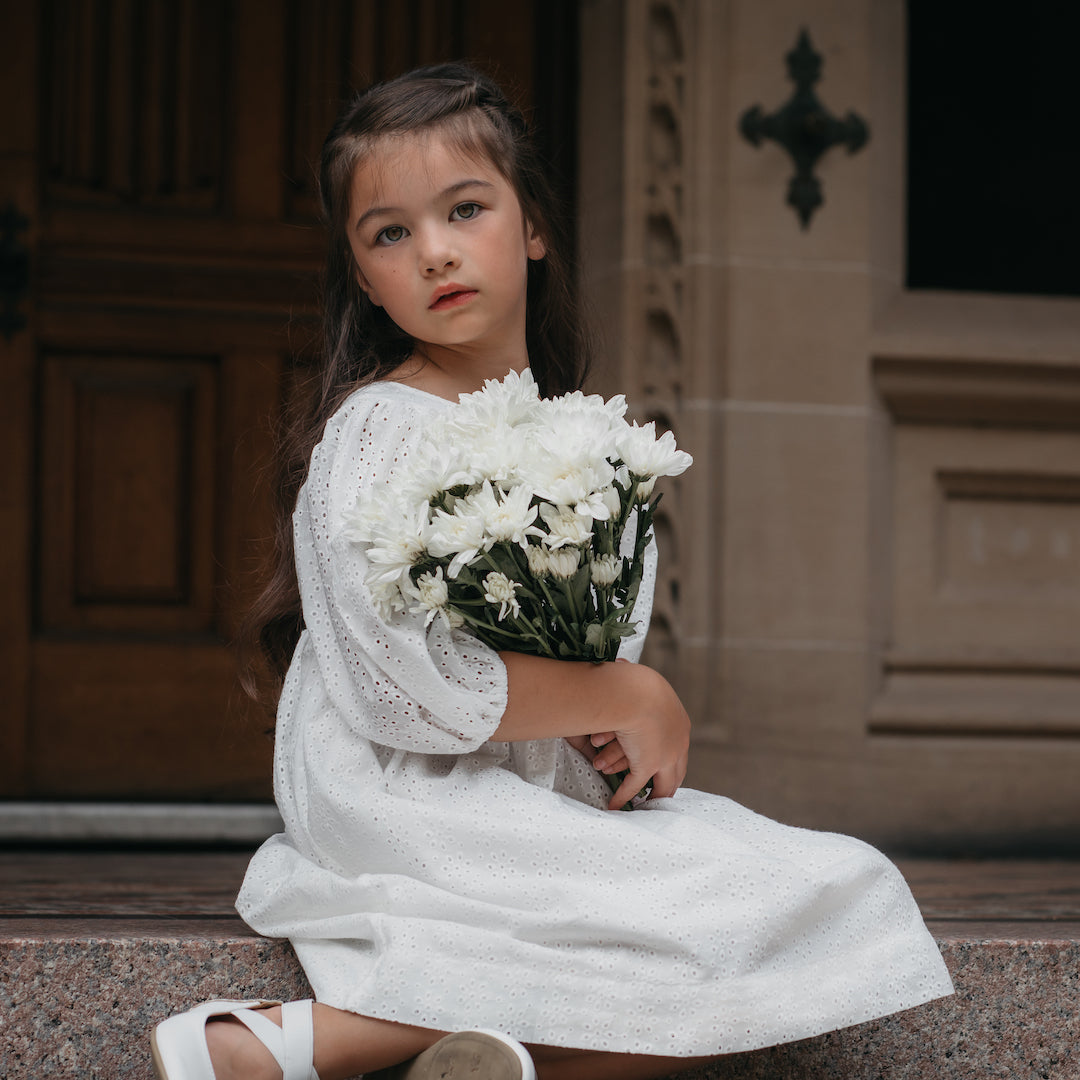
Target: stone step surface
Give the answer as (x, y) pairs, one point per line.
(96, 947)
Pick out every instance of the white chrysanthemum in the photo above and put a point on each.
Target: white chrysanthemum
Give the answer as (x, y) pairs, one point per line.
(564, 562)
(604, 569)
(373, 516)
(438, 463)
(387, 599)
(512, 400)
(494, 453)
(501, 590)
(590, 435)
(507, 516)
(396, 539)
(431, 594)
(565, 526)
(567, 471)
(502, 449)
(577, 404)
(645, 455)
(571, 483)
(645, 489)
(539, 563)
(460, 534)
(612, 500)
(486, 428)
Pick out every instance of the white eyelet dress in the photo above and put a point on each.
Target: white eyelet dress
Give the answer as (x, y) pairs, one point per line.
(431, 876)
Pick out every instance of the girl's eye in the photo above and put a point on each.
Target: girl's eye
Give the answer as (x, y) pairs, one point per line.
(390, 235)
(465, 211)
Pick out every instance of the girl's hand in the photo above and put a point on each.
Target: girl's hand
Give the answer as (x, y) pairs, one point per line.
(630, 702)
(583, 745)
(614, 759)
(650, 735)
(591, 745)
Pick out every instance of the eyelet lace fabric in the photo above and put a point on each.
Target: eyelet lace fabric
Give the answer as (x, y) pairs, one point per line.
(431, 876)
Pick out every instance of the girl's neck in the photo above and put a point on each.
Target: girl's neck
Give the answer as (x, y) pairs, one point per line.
(447, 373)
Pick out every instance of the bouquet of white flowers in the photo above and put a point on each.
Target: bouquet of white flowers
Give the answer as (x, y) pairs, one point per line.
(508, 520)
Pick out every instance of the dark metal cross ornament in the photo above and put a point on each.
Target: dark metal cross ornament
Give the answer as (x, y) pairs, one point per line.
(804, 128)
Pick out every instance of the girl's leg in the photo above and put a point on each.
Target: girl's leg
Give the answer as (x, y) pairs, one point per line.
(556, 1063)
(345, 1044)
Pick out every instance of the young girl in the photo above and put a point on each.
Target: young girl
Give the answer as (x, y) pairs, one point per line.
(450, 860)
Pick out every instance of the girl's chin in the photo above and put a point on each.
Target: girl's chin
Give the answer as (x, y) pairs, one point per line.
(461, 343)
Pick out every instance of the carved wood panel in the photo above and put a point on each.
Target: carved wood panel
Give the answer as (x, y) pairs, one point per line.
(162, 150)
(136, 102)
(127, 490)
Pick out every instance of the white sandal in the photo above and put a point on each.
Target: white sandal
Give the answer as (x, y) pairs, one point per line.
(178, 1045)
(483, 1054)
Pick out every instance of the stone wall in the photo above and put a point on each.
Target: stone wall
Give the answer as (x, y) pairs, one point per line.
(869, 594)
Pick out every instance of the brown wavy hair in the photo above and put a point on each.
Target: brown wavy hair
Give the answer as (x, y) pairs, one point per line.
(361, 344)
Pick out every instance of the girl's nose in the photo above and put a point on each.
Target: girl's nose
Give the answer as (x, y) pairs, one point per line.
(437, 253)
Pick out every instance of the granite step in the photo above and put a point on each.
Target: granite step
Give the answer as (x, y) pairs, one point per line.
(95, 947)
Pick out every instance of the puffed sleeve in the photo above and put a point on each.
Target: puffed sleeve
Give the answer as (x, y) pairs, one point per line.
(396, 683)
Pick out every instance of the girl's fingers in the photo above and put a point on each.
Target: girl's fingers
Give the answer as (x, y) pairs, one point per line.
(609, 755)
(663, 787)
(602, 739)
(667, 781)
(630, 786)
(616, 767)
(582, 744)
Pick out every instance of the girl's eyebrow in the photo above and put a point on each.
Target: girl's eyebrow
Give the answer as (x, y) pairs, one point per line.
(453, 189)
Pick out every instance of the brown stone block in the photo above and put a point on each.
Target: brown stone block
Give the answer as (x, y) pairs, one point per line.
(796, 533)
(798, 334)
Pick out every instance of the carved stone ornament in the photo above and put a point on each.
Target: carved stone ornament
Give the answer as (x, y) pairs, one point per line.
(658, 299)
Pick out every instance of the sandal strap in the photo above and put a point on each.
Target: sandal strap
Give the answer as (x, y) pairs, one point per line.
(292, 1044)
(298, 1028)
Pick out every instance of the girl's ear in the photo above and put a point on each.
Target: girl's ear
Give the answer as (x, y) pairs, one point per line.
(535, 247)
(366, 287)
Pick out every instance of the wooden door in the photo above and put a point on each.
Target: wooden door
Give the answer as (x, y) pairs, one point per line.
(157, 172)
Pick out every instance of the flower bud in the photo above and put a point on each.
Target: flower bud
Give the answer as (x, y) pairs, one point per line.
(604, 569)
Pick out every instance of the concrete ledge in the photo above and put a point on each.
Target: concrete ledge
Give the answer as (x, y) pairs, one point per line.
(1013, 1016)
(78, 998)
(95, 949)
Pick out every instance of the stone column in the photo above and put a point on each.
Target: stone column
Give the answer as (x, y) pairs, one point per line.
(651, 202)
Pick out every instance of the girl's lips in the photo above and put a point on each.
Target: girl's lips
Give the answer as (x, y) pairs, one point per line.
(452, 299)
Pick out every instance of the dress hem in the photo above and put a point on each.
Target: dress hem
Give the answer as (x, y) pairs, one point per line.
(722, 1017)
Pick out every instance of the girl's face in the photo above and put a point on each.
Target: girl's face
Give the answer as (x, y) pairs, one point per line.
(441, 243)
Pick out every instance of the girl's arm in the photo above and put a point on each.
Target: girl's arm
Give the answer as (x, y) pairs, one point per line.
(564, 698)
